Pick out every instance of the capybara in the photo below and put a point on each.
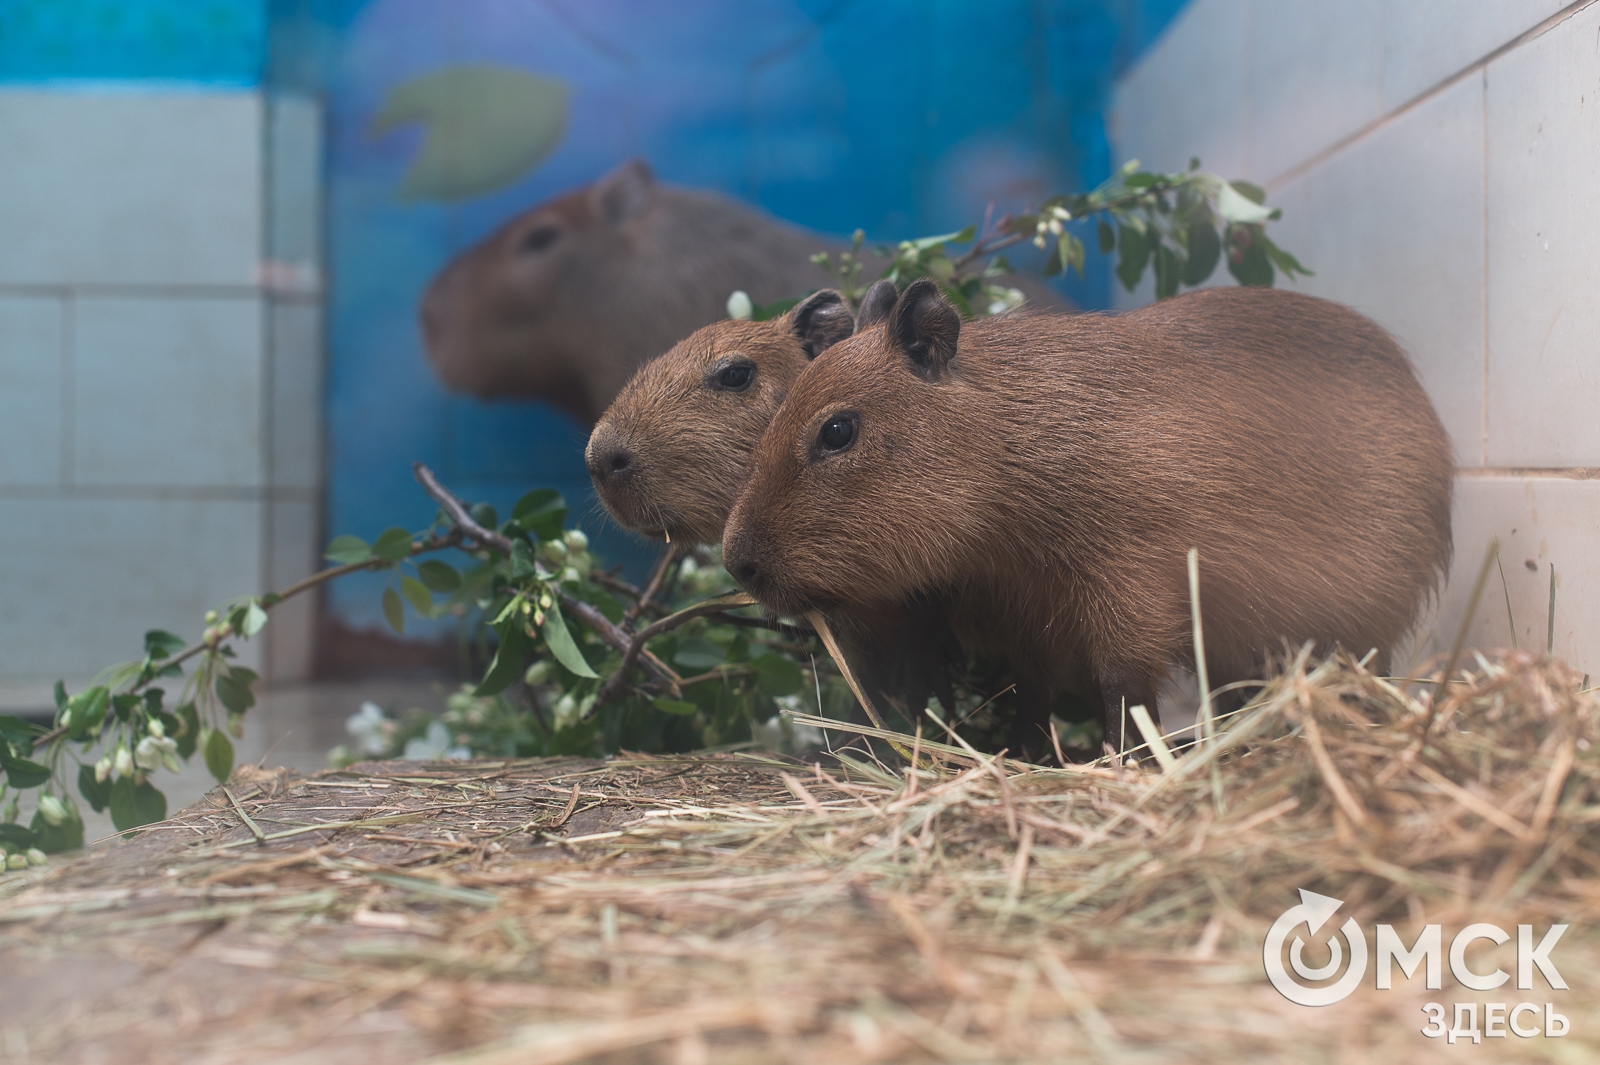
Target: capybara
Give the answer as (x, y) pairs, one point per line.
(1049, 474)
(669, 454)
(563, 302)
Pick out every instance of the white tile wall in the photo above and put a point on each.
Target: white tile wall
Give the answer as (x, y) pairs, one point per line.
(1464, 215)
(84, 578)
(1544, 249)
(296, 346)
(31, 389)
(1190, 96)
(169, 391)
(1427, 41)
(139, 188)
(1316, 77)
(160, 373)
(1539, 520)
(1385, 192)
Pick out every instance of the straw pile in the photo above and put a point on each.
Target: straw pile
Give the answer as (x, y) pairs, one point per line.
(738, 908)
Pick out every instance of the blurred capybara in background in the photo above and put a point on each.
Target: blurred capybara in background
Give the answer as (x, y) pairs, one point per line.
(566, 300)
(1048, 474)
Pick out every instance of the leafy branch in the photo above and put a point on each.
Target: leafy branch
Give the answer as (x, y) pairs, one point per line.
(1179, 225)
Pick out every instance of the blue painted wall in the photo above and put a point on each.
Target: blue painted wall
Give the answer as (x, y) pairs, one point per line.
(904, 117)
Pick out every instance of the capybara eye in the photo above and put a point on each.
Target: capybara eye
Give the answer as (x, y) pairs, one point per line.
(538, 238)
(837, 433)
(735, 378)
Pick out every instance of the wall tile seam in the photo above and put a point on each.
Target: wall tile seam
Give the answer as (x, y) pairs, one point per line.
(1304, 168)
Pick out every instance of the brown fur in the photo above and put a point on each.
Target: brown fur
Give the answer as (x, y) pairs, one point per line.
(565, 301)
(1049, 474)
(671, 452)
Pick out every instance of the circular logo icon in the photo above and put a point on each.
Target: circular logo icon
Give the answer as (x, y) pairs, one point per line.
(1313, 912)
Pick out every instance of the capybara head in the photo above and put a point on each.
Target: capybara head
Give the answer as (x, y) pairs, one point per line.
(852, 486)
(672, 450)
(500, 320)
(564, 302)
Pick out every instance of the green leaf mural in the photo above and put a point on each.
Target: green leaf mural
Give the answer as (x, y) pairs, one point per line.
(486, 126)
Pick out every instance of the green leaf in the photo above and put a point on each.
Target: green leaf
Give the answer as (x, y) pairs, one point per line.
(696, 652)
(673, 706)
(417, 595)
(133, 804)
(559, 639)
(22, 774)
(542, 512)
(1075, 254)
(484, 515)
(159, 644)
(393, 544)
(98, 793)
(17, 837)
(1167, 272)
(88, 708)
(393, 612)
(233, 688)
(53, 839)
(1134, 252)
(777, 675)
(16, 730)
(1282, 259)
(1254, 193)
(507, 664)
(254, 619)
(346, 550)
(219, 755)
(766, 312)
(188, 736)
(439, 576)
(1205, 248)
(1253, 267)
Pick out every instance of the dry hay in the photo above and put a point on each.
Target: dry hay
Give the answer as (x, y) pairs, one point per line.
(737, 908)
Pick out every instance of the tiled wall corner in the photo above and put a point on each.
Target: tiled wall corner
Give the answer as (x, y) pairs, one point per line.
(1462, 213)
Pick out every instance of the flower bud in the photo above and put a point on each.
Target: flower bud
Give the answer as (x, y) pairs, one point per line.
(36, 856)
(538, 673)
(740, 305)
(157, 729)
(576, 540)
(52, 810)
(1040, 242)
(16, 861)
(211, 617)
(545, 600)
(102, 770)
(123, 762)
(1055, 226)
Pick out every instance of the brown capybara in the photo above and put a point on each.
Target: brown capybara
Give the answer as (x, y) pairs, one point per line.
(563, 302)
(1049, 475)
(670, 453)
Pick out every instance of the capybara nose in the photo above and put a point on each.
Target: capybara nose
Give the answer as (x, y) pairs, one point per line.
(611, 464)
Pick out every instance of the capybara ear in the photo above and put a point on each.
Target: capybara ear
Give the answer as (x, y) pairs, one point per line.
(877, 304)
(926, 328)
(820, 321)
(625, 192)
